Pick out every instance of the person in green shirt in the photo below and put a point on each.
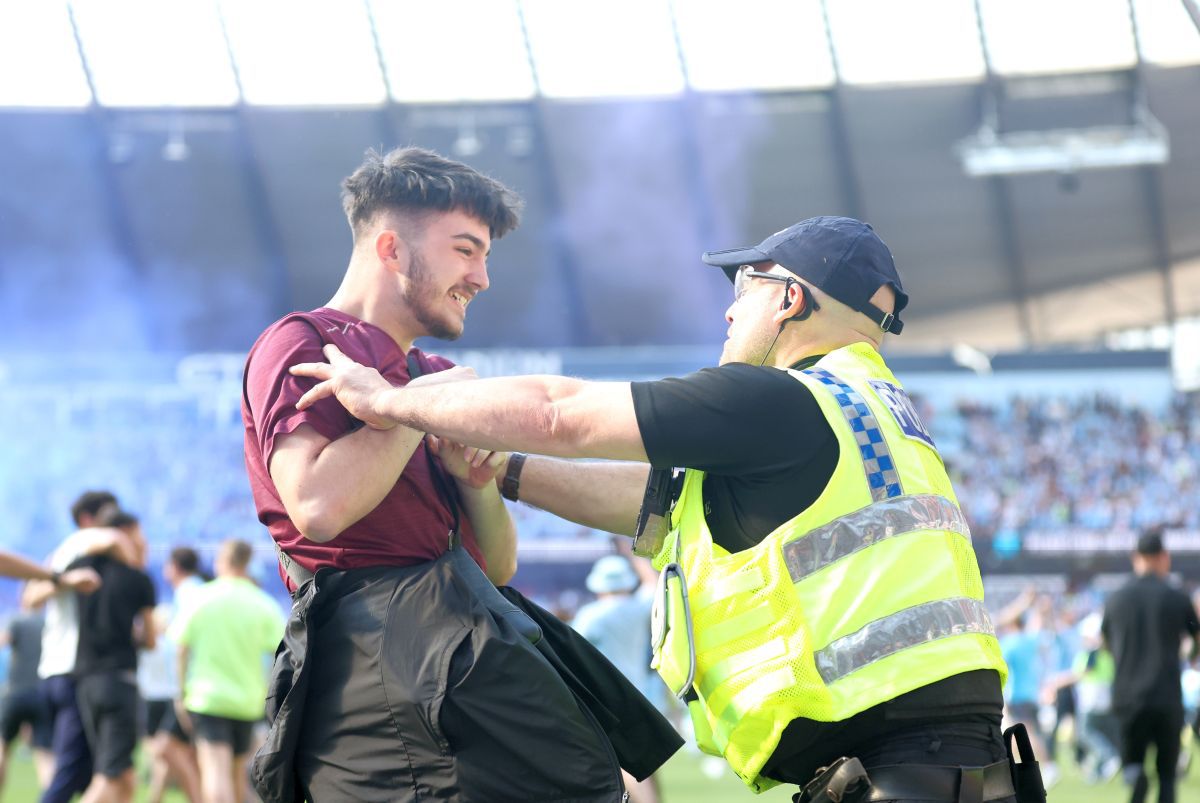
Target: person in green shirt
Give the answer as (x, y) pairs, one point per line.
(223, 633)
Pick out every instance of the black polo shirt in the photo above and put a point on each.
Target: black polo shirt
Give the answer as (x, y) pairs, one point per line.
(1144, 624)
(768, 453)
(106, 616)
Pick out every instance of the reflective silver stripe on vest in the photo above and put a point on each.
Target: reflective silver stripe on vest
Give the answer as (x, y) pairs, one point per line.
(882, 478)
(910, 627)
(858, 530)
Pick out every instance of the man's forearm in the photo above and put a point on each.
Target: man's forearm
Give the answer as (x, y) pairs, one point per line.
(604, 495)
(543, 414)
(21, 568)
(494, 531)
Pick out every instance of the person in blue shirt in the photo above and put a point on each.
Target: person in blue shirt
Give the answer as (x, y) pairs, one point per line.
(617, 623)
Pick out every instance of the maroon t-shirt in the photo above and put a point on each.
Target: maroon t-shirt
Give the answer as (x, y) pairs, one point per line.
(412, 523)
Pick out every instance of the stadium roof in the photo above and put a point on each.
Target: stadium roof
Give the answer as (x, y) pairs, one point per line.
(192, 150)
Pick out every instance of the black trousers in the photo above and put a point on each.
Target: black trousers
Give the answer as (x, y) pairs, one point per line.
(1140, 728)
(399, 684)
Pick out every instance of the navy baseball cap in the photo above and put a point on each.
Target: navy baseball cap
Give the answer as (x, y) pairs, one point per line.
(842, 256)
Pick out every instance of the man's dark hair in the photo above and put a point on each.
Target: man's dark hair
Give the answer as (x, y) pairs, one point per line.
(185, 559)
(92, 503)
(1150, 542)
(419, 180)
(120, 519)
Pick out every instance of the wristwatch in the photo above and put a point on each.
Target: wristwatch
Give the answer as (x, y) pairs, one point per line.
(512, 476)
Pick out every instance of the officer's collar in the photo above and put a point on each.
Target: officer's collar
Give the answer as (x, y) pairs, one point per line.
(807, 362)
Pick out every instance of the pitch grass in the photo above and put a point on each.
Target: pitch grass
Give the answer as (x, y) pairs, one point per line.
(685, 781)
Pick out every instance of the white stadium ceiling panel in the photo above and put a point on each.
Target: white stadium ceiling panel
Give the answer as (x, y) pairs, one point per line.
(39, 60)
(614, 48)
(1167, 34)
(314, 53)
(754, 44)
(884, 41)
(431, 56)
(1026, 37)
(173, 55)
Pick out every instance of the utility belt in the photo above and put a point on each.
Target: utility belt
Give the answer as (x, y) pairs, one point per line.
(846, 781)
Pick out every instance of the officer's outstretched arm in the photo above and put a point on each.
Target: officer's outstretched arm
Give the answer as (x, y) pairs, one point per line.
(605, 495)
(551, 415)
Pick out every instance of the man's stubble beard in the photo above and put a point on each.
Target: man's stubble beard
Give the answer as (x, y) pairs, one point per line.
(422, 300)
(752, 350)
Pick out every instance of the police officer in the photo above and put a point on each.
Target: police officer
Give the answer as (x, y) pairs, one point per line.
(820, 607)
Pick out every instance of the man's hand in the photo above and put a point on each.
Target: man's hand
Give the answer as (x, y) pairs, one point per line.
(355, 386)
(476, 468)
(185, 719)
(83, 580)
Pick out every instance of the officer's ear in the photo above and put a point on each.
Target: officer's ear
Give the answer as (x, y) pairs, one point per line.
(797, 304)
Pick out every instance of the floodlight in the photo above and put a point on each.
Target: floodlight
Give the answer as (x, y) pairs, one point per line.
(1064, 150)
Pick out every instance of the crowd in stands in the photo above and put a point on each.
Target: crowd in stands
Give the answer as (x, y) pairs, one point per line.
(1017, 464)
(1088, 462)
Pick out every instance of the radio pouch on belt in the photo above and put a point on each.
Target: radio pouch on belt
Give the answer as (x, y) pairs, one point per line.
(843, 781)
(1027, 775)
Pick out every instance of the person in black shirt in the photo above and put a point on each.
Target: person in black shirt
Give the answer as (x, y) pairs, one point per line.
(106, 664)
(24, 703)
(765, 444)
(1144, 625)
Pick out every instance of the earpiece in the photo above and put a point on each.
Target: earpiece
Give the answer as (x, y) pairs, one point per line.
(786, 287)
(808, 304)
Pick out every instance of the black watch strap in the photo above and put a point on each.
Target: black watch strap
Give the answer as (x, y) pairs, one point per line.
(511, 483)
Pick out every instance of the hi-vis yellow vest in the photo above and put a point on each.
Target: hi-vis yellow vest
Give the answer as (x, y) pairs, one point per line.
(871, 592)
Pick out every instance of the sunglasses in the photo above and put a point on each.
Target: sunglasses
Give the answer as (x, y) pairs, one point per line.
(745, 273)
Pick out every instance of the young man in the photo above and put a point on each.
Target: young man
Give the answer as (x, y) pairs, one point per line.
(1145, 623)
(60, 641)
(113, 623)
(25, 702)
(820, 597)
(168, 745)
(413, 677)
(224, 636)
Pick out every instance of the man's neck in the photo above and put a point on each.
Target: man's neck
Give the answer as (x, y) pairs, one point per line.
(366, 301)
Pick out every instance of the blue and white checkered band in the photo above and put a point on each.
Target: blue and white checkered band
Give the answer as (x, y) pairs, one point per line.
(882, 477)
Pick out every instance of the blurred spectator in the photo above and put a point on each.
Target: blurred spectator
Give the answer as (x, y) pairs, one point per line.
(1091, 675)
(617, 623)
(24, 704)
(113, 623)
(1144, 624)
(166, 744)
(1018, 629)
(224, 635)
(60, 642)
(182, 572)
